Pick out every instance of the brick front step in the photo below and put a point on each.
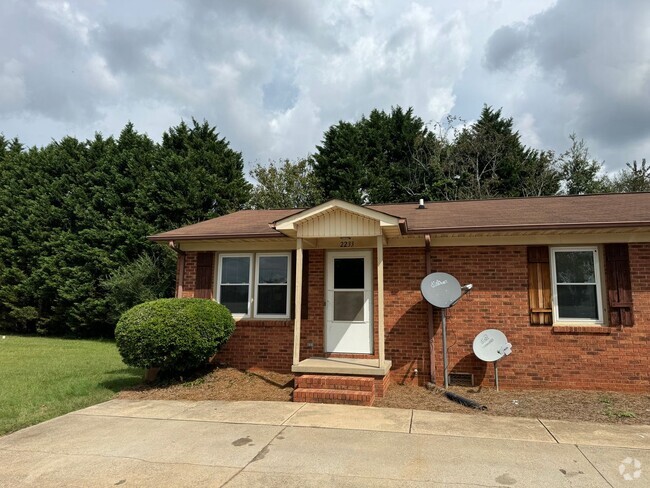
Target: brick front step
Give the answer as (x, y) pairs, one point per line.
(328, 395)
(328, 382)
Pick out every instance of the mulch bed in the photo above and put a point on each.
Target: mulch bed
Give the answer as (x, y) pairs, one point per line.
(217, 384)
(233, 384)
(590, 406)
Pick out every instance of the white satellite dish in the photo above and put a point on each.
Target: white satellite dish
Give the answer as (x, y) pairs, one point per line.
(490, 346)
(441, 290)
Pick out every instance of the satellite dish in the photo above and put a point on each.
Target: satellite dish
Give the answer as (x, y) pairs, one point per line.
(490, 346)
(441, 290)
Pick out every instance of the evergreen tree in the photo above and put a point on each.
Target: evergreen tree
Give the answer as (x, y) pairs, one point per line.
(632, 178)
(581, 174)
(338, 166)
(372, 160)
(489, 160)
(74, 212)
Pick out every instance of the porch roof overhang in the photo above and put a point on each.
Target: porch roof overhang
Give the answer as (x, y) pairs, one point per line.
(337, 218)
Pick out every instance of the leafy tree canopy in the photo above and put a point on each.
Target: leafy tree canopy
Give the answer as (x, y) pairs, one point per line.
(75, 212)
(632, 178)
(372, 160)
(285, 184)
(395, 157)
(581, 174)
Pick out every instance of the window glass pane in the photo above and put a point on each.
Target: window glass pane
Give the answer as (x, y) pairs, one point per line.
(235, 298)
(235, 269)
(577, 302)
(575, 267)
(273, 269)
(348, 306)
(272, 299)
(348, 273)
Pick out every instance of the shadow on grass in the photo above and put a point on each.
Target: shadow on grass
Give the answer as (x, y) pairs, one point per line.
(168, 379)
(125, 379)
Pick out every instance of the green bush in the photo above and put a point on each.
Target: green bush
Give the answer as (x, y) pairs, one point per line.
(174, 334)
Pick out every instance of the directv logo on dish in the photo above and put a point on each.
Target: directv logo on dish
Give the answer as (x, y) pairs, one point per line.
(437, 283)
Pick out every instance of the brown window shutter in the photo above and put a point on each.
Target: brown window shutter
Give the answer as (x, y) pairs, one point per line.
(619, 284)
(204, 270)
(539, 286)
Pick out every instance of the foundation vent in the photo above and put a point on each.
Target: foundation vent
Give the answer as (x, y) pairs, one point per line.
(461, 379)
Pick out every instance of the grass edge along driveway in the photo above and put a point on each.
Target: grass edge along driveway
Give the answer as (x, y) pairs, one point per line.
(43, 377)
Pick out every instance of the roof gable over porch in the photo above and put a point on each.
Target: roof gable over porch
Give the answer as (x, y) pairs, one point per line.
(337, 218)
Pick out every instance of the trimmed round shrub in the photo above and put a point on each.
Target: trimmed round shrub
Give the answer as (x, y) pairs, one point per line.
(173, 334)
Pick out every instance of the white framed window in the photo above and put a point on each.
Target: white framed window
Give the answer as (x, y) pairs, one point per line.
(255, 284)
(234, 279)
(575, 275)
(272, 285)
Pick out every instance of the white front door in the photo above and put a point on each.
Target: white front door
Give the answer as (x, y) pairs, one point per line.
(348, 314)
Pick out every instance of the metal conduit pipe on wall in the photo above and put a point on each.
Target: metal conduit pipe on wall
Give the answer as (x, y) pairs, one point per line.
(427, 261)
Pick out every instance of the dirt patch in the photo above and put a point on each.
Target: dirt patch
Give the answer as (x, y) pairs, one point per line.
(233, 384)
(590, 406)
(218, 384)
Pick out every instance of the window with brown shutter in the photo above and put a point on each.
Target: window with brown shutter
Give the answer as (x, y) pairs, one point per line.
(539, 286)
(619, 285)
(204, 270)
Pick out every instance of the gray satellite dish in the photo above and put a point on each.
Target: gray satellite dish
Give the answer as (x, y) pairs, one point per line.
(441, 290)
(490, 346)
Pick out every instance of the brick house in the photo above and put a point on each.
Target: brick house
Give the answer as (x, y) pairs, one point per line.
(332, 293)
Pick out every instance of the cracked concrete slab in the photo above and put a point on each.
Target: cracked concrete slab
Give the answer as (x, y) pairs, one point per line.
(39, 469)
(593, 434)
(352, 446)
(271, 413)
(364, 418)
(165, 441)
(483, 426)
(426, 458)
(152, 409)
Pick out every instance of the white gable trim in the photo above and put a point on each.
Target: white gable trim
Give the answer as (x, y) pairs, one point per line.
(334, 210)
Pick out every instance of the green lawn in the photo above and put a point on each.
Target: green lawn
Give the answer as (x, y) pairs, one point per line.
(41, 377)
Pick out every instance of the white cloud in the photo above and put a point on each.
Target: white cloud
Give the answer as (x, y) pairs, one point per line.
(272, 76)
(12, 86)
(592, 57)
(71, 19)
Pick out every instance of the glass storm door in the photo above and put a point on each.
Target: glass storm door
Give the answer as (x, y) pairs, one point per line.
(348, 313)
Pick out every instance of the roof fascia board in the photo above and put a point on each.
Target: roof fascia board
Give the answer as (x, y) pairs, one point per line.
(164, 238)
(526, 227)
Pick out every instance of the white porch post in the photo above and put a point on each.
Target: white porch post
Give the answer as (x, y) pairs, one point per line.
(298, 302)
(380, 297)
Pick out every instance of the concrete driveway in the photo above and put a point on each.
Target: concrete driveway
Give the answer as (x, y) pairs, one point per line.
(267, 444)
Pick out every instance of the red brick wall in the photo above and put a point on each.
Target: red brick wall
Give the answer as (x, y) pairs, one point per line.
(542, 357)
(189, 278)
(261, 344)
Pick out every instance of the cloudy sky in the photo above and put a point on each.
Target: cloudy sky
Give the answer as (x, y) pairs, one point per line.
(273, 75)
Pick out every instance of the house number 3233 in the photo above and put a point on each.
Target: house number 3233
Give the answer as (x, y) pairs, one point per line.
(346, 244)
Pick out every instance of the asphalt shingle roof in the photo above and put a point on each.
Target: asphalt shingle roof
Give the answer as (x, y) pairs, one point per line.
(583, 211)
